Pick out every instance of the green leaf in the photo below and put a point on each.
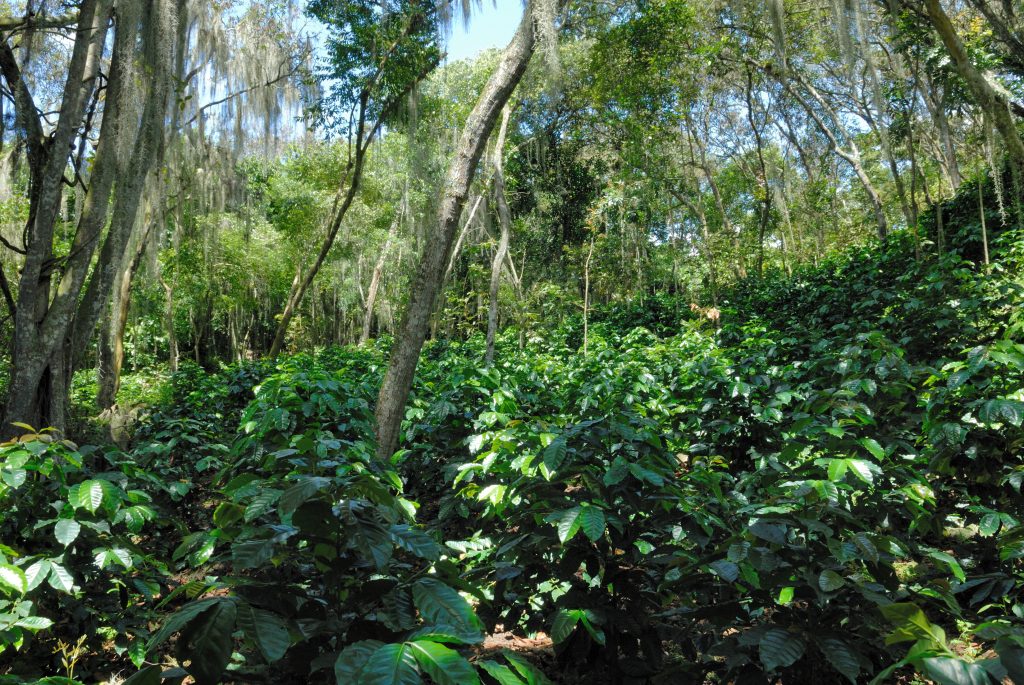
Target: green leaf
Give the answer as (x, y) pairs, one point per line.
(90, 496)
(866, 547)
(179, 620)
(445, 666)
(738, 551)
(266, 630)
(779, 648)
(299, 493)
(61, 579)
(14, 578)
(252, 553)
(989, 525)
(950, 561)
(503, 674)
(837, 469)
(593, 522)
(872, 446)
(150, 675)
(642, 474)
(526, 669)
(863, 469)
(416, 541)
(618, 470)
(34, 623)
(349, 667)
(772, 532)
(726, 570)
(568, 524)
(36, 573)
(950, 671)
(392, 664)
(564, 624)
(841, 656)
(207, 643)
(830, 581)
(439, 604)
(137, 652)
(911, 624)
(227, 514)
(555, 453)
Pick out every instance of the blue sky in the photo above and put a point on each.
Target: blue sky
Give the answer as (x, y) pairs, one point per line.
(490, 27)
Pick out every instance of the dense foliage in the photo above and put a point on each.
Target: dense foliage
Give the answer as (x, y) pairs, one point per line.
(839, 461)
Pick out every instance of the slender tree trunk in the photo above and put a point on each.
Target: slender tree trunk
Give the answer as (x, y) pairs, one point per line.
(981, 215)
(505, 221)
(992, 99)
(378, 272)
(111, 338)
(851, 156)
(586, 297)
(172, 337)
(416, 321)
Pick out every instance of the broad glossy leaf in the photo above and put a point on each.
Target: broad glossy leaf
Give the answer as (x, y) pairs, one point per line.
(555, 453)
(150, 675)
(503, 674)
(36, 573)
(866, 547)
(416, 541)
(568, 524)
(266, 630)
(208, 644)
(726, 570)
(34, 623)
(13, 578)
(299, 493)
(348, 669)
(592, 521)
(61, 579)
(527, 670)
(89, 496)
(444, 666)
(392, 664)
(872, 446)
(779, 648)
(950, 671)
(439, 604)
(564, 624)
(830, 581)
(842, 657)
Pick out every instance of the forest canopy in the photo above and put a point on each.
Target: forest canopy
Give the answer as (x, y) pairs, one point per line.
(672, 341)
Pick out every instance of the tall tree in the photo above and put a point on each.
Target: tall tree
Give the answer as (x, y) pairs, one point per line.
(412, 331)
(60, 298)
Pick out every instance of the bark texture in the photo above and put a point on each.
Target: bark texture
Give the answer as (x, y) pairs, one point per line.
(412, 330)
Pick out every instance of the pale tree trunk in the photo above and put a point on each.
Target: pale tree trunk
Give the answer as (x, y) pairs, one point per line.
(586, 297)
(851, 156)
(365, 133)
(415, 323)
(172, 337)
(505, 221)
(110, 345)
(992, 98)
(38, 374)
(462, 236)
(378, 272)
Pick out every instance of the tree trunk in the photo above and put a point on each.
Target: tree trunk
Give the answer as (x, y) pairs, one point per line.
(111, 338)
(505, 220)
(378, 272)
(172, 337)
(992, 98)
(416, 320)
